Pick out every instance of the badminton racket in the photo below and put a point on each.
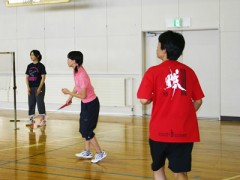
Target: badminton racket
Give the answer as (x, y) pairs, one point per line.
(66, 104)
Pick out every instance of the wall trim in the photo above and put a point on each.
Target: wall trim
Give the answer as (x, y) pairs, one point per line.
(230, 118)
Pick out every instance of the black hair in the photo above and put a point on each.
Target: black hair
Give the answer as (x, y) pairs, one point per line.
(173, 43)
(78, 57)
(37, 54)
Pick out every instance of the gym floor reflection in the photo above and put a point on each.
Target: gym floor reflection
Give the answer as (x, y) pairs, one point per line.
(49, 152)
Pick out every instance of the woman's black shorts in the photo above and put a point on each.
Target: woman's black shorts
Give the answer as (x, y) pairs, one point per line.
(89, 118)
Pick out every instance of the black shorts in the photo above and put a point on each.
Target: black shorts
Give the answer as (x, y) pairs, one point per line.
(89, 118)
(179, 155)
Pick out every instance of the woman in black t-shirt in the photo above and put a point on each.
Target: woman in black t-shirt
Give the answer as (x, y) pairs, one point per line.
(35, 80)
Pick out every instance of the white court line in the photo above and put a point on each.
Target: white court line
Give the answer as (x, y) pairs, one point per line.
(39, 144)
(234, 177)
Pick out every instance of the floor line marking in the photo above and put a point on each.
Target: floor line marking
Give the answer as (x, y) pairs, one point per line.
(234, 177)
(62, 139)
(82, 170)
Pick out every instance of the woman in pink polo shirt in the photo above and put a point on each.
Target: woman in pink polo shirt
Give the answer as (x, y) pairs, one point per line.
(89, 106)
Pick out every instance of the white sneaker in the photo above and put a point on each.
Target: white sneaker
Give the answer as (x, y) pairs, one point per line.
(99, 156)
(84, 154)
(30, 122)
(41, 123)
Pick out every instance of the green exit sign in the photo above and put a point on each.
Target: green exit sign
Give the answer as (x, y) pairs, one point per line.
(177, 22)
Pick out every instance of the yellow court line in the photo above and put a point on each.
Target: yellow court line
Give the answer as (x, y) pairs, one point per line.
(234, 177)
(39, 144)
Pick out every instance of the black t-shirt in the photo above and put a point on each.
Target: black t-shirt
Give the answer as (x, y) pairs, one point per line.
(35, 72)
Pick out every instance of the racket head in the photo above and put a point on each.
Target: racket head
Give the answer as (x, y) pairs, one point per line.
(66, 104)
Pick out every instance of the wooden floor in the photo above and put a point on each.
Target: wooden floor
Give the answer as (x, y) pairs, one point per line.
(48, 153)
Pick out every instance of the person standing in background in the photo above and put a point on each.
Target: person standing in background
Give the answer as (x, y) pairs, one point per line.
(35, 81)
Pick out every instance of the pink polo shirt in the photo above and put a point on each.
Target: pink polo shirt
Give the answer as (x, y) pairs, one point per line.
(82, 80)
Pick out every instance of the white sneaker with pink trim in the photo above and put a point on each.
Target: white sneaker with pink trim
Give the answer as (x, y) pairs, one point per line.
(41, 123)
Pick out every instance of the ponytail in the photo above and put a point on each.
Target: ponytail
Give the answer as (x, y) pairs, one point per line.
(76, 69)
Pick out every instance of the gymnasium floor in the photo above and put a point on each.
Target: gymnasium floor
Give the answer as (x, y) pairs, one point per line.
(48, 153)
